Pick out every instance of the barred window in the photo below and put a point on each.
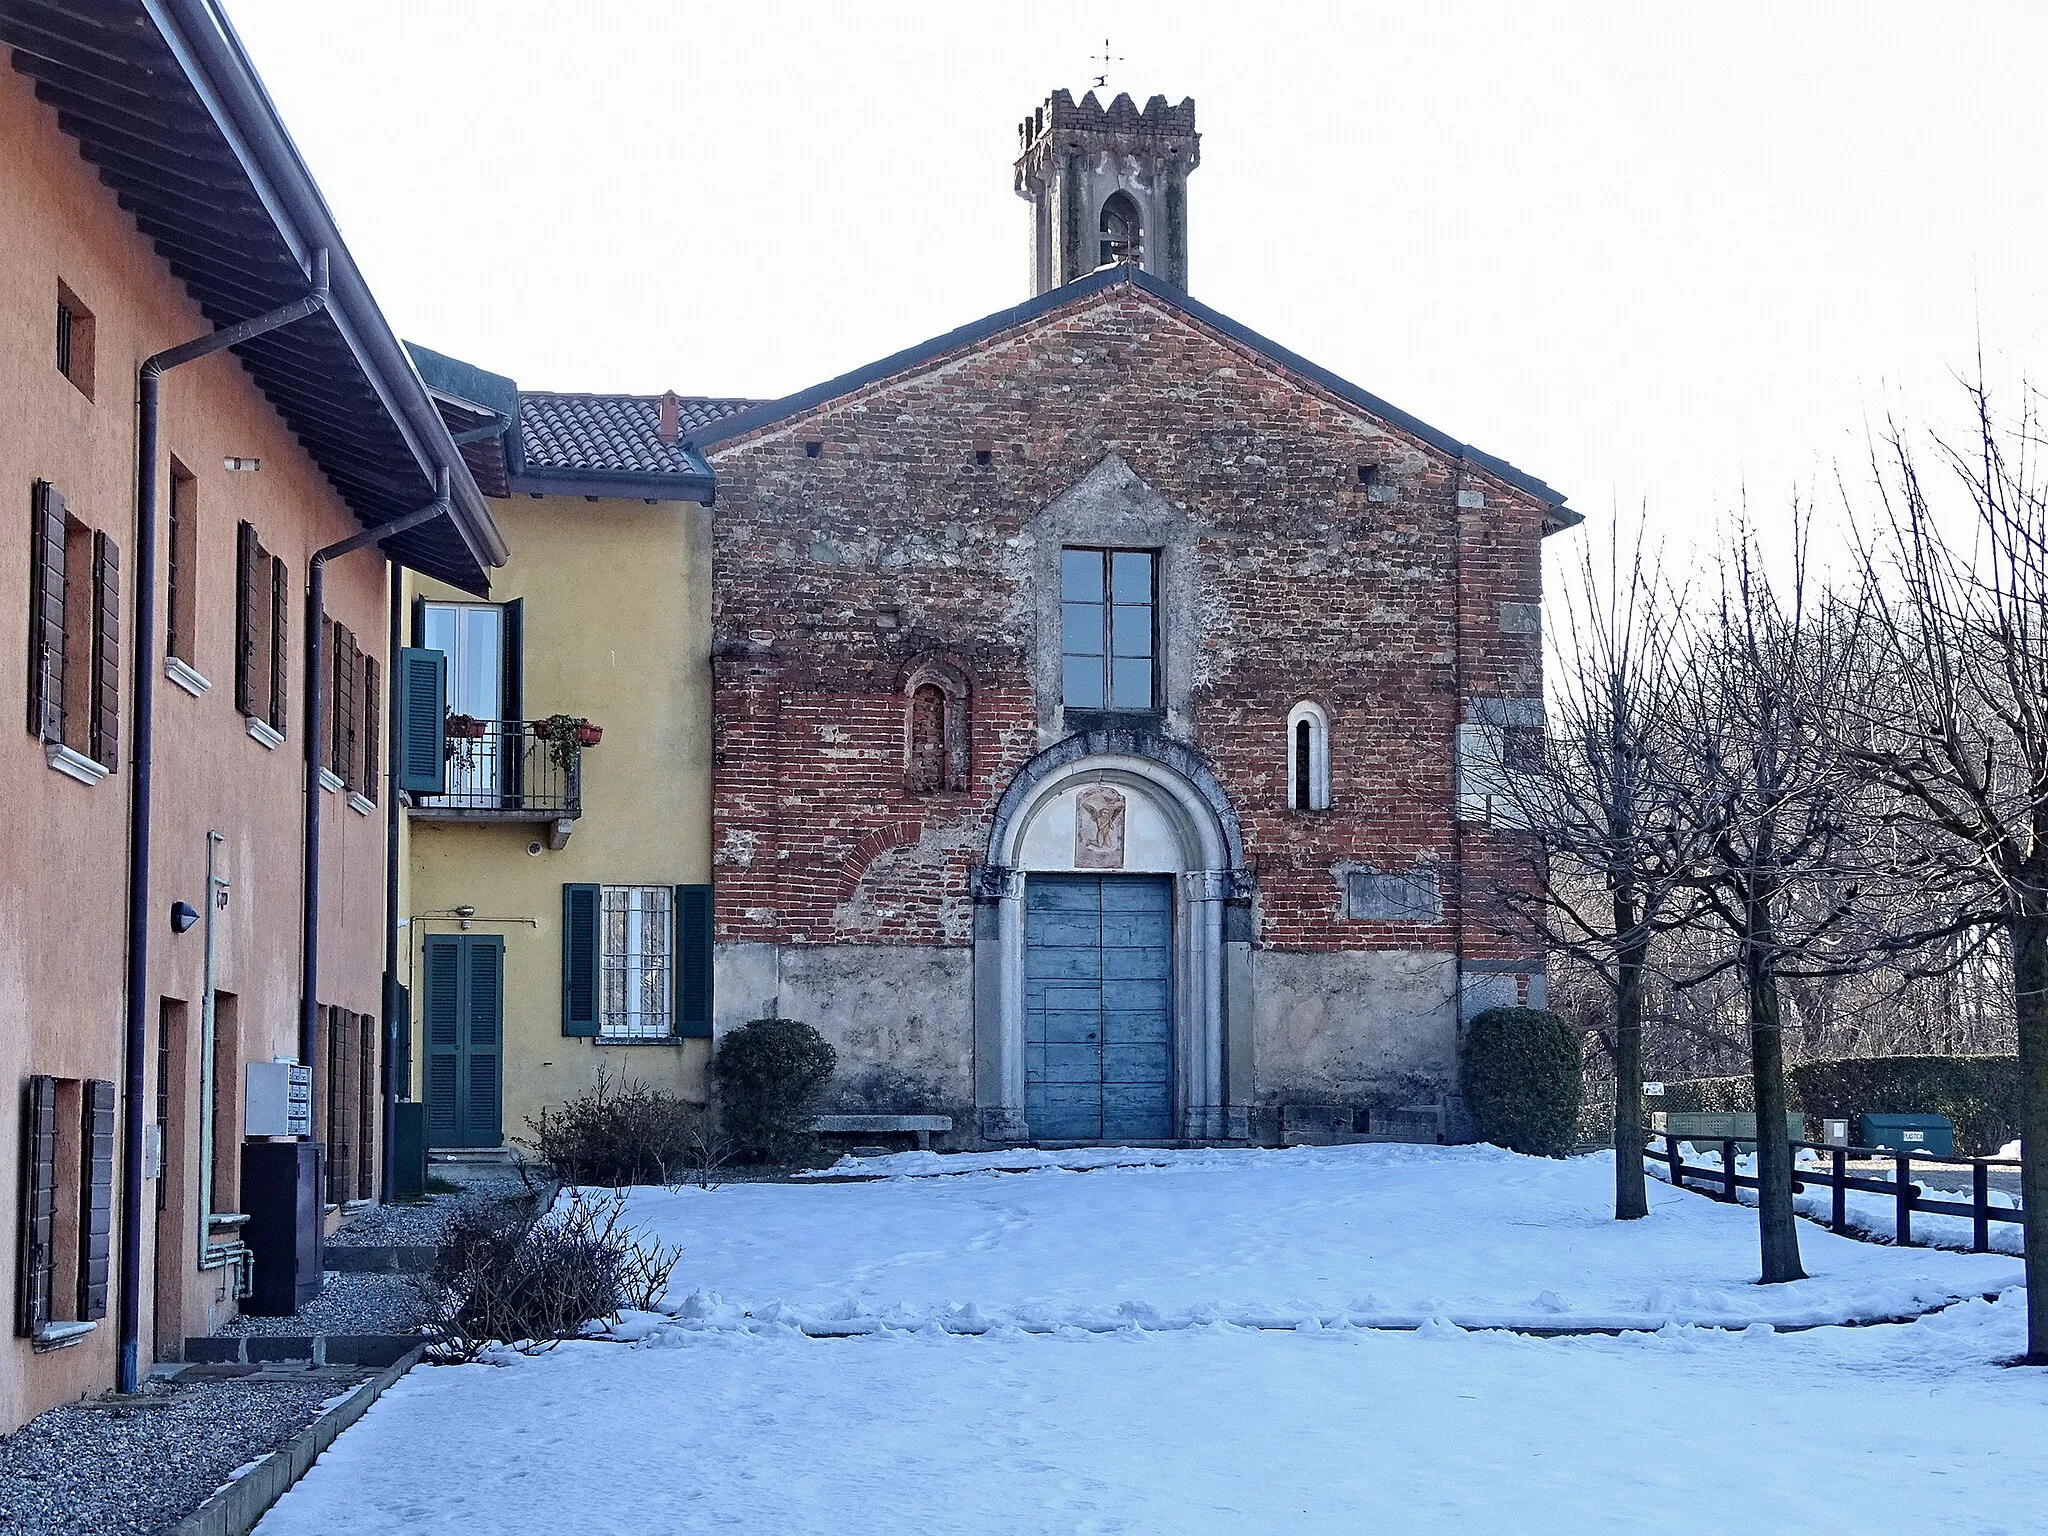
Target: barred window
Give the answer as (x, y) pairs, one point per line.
(639, 949)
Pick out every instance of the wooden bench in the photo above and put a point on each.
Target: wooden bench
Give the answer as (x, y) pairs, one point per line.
(921, 1126)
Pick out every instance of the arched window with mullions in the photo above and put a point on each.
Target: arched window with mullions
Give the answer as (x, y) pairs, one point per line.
(1308, 757)
(1122, 230)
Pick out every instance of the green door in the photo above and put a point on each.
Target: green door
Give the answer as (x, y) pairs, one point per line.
(465, 1032)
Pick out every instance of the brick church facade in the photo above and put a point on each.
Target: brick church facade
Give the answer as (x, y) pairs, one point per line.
(1105, 701)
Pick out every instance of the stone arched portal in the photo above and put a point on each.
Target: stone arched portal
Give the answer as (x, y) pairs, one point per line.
(1133, 813)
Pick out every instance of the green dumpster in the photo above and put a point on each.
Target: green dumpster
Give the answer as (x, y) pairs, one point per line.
(1931, 1134)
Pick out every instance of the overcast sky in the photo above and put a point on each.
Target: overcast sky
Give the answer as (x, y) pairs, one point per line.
(1651, 253)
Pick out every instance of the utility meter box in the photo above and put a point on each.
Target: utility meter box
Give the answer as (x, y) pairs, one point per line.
(1930, 1134)
(279, 1101)
(1835, 1132)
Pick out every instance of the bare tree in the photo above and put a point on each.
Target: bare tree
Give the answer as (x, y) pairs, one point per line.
(1962, 738)
(1603, 804)
(1771, 804)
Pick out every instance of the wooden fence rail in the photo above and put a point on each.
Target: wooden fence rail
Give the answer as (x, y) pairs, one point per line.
(1907, 1196)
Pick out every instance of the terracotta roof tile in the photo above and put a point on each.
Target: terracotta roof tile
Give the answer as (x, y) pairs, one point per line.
(596, 433)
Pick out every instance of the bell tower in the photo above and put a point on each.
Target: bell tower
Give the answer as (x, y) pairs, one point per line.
(1107, 184)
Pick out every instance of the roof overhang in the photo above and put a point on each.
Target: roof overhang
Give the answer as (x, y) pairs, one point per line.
(163, 102)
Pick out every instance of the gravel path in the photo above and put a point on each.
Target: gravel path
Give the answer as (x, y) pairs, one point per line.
(387, 1303)
(114, 1470)
(348, 1304)
(424, 1222)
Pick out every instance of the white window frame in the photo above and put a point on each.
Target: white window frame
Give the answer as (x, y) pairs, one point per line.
(1311, 713)
(634, 966)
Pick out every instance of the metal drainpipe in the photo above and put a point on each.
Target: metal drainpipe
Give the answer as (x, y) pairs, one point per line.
(390, 1052)
(316, 674)
(136, 1034)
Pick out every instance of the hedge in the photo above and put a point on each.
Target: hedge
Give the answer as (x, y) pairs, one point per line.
(1521, 1070)
(1980, 1095)
(1707, 1096)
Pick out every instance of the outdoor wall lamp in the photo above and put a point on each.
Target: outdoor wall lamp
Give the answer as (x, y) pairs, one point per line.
(183, 916)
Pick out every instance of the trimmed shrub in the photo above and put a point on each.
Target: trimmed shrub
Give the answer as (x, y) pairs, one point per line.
(771, 1074)
(1521, 1077)
(624, 1133)
(1980, 1095)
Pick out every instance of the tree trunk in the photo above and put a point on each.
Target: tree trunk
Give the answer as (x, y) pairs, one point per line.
(1631, 1196)
(1778, 1233)
(2030, 1008)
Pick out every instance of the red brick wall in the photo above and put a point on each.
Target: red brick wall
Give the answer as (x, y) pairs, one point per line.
(834, 574)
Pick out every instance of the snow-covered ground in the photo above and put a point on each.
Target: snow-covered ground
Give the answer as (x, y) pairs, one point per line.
(1380, 1234)
(977, 1395)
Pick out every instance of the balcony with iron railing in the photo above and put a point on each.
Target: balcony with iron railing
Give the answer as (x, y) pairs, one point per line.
(509, 771)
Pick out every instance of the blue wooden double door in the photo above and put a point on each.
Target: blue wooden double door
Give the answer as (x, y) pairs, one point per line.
(1098, 1007)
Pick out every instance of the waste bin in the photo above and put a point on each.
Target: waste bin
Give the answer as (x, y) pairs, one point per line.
(1931, 1134)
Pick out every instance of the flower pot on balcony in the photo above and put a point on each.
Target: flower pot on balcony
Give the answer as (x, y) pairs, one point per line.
(566, 736)
(466, 727)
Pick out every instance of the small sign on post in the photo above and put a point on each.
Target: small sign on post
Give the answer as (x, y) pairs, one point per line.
(1653, 1090)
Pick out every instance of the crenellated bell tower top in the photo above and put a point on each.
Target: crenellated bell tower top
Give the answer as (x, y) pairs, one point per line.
(1107, 184)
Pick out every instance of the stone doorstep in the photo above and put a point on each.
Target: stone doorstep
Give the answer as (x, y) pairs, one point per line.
(370, 1349)
(235, 1509)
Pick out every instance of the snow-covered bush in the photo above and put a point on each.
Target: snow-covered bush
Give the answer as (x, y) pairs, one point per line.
(770, 1075)
(625, 1133)
(1521, 1076)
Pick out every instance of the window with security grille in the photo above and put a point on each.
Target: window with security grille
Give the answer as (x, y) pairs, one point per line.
(638, 954)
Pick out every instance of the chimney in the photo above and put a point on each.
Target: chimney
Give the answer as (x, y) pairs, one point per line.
(670, 424)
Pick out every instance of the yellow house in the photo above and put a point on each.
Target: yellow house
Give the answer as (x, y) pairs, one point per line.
(554, 901)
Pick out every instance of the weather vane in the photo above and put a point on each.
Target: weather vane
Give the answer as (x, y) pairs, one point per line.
(1102, 80)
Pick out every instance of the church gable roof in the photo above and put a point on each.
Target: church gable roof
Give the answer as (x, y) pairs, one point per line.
(744, 423)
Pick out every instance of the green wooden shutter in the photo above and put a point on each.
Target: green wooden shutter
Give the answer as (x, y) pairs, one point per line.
(96, 1201)
(441, 1043)
(512, 694)
(693, 961)
(38, 1204)
(483, 1050)
(581, 925)
(512, 672)
(422, 746)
